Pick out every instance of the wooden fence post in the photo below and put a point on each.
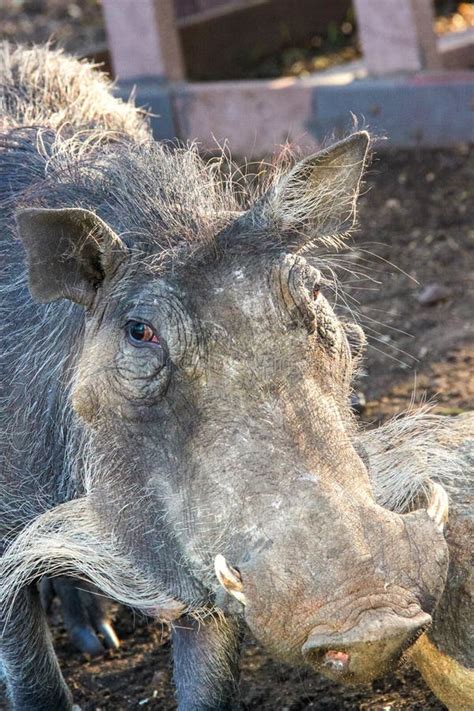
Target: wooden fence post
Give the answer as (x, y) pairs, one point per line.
(146, 56)
(397, 35)
(143, 39)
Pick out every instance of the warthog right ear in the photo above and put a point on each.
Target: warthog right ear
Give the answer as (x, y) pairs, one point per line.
(69, 253)
(317, 198)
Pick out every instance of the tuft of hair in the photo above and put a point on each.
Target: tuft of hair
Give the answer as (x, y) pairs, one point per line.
(41, 86)
(68, 142)
(414, 448)
(65, 541)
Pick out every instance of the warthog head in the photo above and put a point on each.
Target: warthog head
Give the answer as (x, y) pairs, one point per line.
(213, 380)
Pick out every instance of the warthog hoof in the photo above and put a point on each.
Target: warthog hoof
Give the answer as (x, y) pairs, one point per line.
(83, 614)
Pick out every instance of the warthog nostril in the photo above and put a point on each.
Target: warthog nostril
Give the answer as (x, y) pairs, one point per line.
(336, 662)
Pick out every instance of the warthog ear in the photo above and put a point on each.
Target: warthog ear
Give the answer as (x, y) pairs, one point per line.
(317, 198)
(69, 253)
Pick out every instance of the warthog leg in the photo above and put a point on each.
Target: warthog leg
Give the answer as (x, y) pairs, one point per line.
(35, 682)
(84, 614)
(206, 662)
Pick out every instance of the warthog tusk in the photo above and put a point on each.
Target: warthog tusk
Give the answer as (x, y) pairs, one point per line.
(438, 506)
(229, 578)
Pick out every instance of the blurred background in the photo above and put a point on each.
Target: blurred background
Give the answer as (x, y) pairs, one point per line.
(294, 69)
(298, 37)
(257, 73)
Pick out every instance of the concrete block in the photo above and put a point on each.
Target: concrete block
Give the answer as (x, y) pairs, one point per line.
(256, 117)
(155, 97)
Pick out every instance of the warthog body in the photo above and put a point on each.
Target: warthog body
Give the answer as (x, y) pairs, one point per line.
(403, 454)
(176, 424)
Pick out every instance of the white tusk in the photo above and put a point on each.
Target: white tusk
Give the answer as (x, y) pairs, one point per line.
(229, 578)
(438, 506)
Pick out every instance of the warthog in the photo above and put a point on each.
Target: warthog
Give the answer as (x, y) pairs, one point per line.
(39, 87)
(176, 424)
(402, 456)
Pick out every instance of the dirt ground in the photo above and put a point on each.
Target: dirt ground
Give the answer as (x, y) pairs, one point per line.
(416, 213)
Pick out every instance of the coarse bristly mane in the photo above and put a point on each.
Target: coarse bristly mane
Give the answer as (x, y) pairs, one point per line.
(160, 196)
(67, 142)
(415, 447)
(41, 86)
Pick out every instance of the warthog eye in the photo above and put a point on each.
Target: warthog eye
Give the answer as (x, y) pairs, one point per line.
(316, 291)
(141, 334)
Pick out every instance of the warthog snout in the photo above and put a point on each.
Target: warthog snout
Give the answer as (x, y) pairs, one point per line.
(367, 650)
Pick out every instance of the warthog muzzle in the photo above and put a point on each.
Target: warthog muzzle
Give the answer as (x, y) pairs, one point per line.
(348, 588)
(367, 650)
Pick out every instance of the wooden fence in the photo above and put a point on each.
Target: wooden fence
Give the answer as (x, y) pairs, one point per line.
(411, 86)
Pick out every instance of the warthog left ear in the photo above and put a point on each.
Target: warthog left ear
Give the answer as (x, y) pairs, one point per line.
(317, 198)
(69, 253)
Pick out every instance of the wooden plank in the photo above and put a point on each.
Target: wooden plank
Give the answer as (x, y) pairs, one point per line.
(254, 117)
(143, 39)
(189, 12)
(397, 36)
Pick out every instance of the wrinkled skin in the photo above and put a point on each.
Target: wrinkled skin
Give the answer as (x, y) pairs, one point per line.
(208, 406)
